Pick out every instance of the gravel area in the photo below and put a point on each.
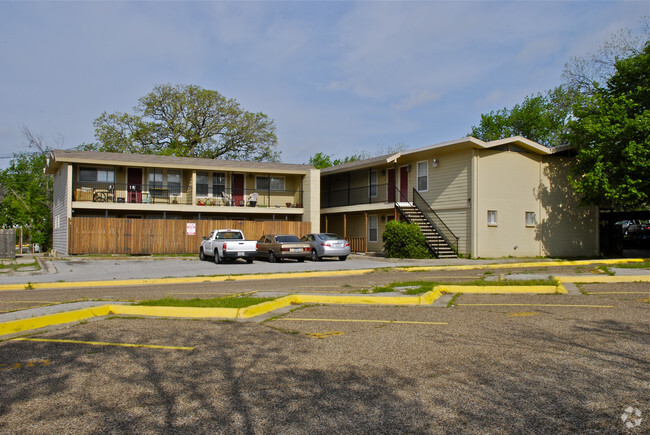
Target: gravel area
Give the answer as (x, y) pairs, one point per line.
(490, 369)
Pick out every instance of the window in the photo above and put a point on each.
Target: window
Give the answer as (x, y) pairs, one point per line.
(262, 183)
(530, 219)
(155, 178)
(373, 184)
(202, 184)
(174, 181)
(423, 177)
(218, 183)
(97, 175)
(373, 229)
(492, 218)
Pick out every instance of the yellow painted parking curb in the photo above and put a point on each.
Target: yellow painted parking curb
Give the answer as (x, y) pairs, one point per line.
(520, 265)
(604, 279)
(222, 278)
(266, 307)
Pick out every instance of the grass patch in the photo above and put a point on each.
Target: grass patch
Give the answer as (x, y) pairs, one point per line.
(16, 267)
(225, 302)
(644, 265)
(453, 300)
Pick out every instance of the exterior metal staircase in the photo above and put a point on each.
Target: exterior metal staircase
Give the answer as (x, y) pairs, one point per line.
(440, 240)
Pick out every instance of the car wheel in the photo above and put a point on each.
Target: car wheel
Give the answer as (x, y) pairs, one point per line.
(314, 255)
(272, 257)
(343, 257)
(300, 260)
(202, 256)
(249, 260)
(217, 259)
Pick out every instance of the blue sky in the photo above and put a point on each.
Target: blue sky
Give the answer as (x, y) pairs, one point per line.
(336, 77)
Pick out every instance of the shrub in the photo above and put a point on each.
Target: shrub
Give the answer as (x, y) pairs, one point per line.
(402, 240)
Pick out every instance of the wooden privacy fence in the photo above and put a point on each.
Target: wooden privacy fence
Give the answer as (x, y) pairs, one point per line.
(92, 235)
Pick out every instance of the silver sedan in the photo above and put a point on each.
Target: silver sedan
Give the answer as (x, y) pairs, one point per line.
(327, 245)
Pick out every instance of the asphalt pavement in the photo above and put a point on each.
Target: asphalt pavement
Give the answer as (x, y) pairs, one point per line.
(74, 269)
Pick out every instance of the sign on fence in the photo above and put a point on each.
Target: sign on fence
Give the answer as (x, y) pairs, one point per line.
(191, 229)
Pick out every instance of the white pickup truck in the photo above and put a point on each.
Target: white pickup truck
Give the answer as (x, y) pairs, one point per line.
(227, 244)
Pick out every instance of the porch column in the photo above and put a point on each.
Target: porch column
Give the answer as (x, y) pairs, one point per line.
(365, 236)
(345, 225)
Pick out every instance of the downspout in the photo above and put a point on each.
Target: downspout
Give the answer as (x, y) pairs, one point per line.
(395, 189)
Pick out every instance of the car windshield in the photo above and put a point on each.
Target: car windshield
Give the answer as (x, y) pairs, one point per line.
(287, 239)
(329, 236)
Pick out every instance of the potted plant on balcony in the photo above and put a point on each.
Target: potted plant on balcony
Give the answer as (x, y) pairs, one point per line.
(200, 202)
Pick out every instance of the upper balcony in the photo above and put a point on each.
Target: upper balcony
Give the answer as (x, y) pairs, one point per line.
(374, 194)
(174, 195)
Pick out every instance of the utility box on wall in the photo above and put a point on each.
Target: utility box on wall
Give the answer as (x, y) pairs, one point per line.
(8, 243)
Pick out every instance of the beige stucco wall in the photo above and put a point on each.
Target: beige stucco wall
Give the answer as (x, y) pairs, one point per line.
(566, 229)
(311, 198)
(506, 184)
(512, 184)
(448, 191)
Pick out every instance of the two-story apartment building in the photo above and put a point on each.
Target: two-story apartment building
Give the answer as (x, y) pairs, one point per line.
(129, 186)
(508, 197)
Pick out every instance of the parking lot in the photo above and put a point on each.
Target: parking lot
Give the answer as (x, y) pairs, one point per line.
(486, 363)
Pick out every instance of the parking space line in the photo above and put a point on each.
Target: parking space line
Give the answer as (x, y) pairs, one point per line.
(536, 305)
(361, 321)
(99, 343)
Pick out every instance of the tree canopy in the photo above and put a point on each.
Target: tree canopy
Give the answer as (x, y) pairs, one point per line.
(541, 118)
(26, 197)
(188, 121)
(321, 160)
(611, 131)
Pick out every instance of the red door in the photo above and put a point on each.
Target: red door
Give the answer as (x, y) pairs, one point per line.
(238, 189)
(403, 184)
(391, 185)
(134, 184)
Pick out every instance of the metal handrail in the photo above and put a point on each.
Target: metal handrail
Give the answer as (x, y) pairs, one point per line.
(435, 221)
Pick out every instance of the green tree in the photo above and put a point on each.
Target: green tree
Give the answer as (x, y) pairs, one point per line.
(544, 118)
(541, 118)
(188, 121)
(611, 132)
(26, 197)
(322, 160)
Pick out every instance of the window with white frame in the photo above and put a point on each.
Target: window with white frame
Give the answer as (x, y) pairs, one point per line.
(530, 219)
(373, 184)
(262, 183)
(174, 181)
(492, 218)
(423, 176)
(218, 183)
(373, 229)
(201, 184)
